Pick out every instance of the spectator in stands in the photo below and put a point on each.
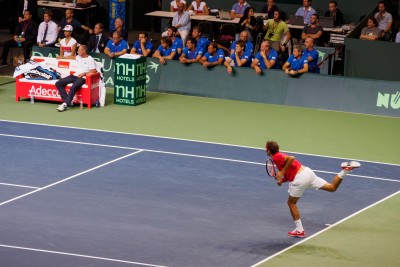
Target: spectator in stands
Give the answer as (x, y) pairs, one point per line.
(371, 31)
(177, 43)
(201, 42)
(86, 65)
(239, 58)
(117, 46)
(181, 21)
(48, 31)
(189, 53)
(385, 21)
(248, 23)
(398, 36)
(275, 29)
(143, 46)
(214, 56)
(238, 9)
(164, 51)
(306, 11)
(70, 20)
(199, 7)
(68, 45)
(119, 27)
(173, 6)
(314, 30)
(98, 40)
(20, 7)
(25, 36)
(311, 55)
(269, 9)
(335, 13)
(244, 36)
(296, 63)
(266, 58)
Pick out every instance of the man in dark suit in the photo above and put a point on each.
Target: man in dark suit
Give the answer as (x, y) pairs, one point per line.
(25, 36)
(98, 40)
(18, 11)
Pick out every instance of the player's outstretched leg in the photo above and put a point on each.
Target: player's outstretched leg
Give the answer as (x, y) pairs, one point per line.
(337, 180)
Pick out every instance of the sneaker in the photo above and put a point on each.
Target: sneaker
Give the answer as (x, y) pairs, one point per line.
(296, 233)
(62, 107)
(349, 166)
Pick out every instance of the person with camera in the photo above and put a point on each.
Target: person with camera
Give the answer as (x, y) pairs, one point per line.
(275, 29)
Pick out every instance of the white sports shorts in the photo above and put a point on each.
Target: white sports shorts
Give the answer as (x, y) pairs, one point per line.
(306, 179)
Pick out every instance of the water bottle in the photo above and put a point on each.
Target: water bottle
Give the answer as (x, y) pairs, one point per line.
(81, 104)
(97, 103)
(32, 98)
(18, 42)
(74, 3)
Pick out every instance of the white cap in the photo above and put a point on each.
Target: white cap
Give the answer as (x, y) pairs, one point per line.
(68, 28)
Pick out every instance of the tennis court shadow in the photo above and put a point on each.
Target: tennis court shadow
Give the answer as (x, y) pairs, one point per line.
(267, 248)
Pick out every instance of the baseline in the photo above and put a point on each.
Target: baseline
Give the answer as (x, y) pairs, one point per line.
(176, 153)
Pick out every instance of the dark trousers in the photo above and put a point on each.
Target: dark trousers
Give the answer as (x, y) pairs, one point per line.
(27, 46)
(76, 84)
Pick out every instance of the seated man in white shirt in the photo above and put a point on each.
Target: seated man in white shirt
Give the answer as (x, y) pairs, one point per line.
(86, 65)
(48, 31)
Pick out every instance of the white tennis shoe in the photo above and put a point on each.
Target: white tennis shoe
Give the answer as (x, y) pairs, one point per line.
(62, 107)
(349, 166)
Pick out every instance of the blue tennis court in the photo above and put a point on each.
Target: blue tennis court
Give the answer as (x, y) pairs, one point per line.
(76, 197)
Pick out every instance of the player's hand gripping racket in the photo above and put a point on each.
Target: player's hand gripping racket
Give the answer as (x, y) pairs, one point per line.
(270, 167)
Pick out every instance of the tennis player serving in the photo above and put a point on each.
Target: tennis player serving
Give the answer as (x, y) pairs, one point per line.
(301, 178)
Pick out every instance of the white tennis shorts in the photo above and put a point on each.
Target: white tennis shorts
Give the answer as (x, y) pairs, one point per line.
(306, 179)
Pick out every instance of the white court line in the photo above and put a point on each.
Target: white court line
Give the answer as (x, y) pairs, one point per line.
(82, 256)
(326, 229)
(191, 140)
(18, 185)
(69, 178)
(175, 153)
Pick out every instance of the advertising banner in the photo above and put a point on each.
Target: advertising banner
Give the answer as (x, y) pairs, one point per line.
(130, 81)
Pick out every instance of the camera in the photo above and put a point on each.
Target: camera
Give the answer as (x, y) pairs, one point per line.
(270, 35)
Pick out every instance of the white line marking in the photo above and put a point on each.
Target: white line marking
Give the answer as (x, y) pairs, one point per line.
(190, 140)
(80, 255)
(69, 178)
(18, 185)
(326, 229)
(362, 176)
(176, 153)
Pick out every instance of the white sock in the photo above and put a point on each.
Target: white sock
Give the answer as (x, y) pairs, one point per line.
(299, 225)
(342, 174)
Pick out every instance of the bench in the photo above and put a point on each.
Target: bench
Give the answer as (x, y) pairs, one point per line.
(46, 90)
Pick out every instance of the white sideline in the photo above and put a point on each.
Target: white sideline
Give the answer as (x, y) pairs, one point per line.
(190, 140)
(179, 154)
(324, 230)
(80, 255)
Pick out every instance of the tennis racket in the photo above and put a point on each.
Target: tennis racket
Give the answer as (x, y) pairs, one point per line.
(270, 168)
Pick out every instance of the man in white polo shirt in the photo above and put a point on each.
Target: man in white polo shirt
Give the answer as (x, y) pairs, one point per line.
(86, 65)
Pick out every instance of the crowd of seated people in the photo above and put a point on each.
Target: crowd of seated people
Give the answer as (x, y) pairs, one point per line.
(186, 44)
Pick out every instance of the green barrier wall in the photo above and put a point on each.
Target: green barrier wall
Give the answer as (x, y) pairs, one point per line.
(273, 87)
(372, 60)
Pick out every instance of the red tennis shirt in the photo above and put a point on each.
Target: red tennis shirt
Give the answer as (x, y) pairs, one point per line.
(279, 159)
